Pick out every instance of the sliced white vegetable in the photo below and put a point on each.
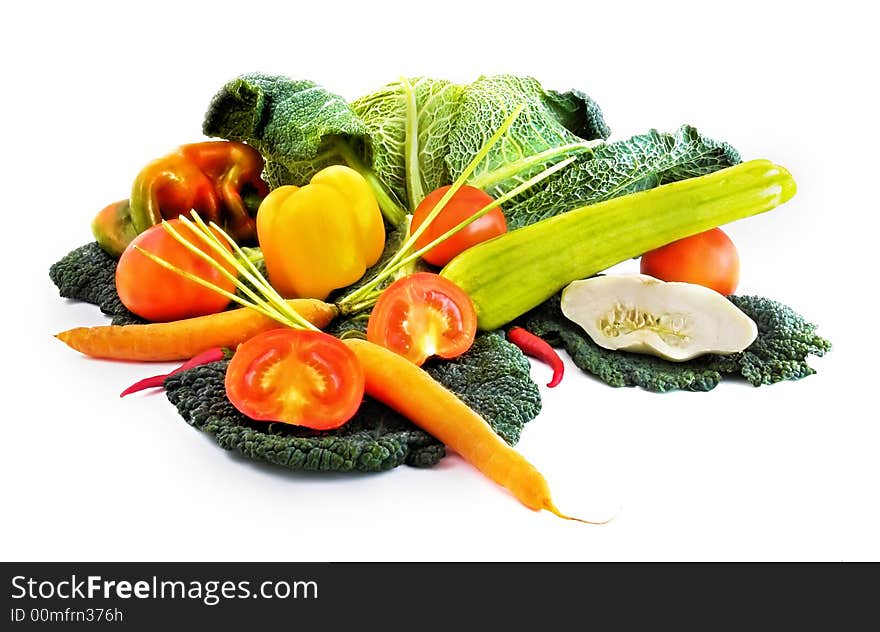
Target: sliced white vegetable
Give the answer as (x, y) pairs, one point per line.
(638, 313)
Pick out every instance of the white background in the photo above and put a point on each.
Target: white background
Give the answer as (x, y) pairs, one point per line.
(790, 472)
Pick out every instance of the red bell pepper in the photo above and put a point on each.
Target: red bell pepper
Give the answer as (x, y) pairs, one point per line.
(221, 180)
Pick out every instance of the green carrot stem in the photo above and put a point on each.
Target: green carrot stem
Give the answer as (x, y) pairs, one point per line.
(489, 207)
(253, 276)
(459, 182)
(518, 166)
(259, 281)
(268, 302)
(210, 260)
(369, 299)
(197, 279)
(392, 264)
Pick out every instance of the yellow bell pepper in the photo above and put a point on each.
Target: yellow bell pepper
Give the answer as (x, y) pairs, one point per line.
(322, 236)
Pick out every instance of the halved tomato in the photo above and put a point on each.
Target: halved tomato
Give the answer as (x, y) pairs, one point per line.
(304, 378)
(423, 315)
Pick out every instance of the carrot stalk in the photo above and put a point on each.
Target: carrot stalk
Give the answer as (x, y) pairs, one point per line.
(183, 339)
(266, 300)
(401, 385)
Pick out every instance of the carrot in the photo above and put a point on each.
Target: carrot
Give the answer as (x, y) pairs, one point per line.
(183, 339)
(401, 385)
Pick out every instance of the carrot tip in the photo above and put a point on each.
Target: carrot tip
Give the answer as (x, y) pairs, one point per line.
(552, 509)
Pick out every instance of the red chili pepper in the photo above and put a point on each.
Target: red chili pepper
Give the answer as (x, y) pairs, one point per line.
(537, 347)
(211, 355)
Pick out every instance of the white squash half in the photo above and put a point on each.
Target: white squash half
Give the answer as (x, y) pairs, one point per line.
(641, 314)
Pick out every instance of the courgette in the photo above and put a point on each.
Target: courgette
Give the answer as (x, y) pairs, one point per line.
(509, 275)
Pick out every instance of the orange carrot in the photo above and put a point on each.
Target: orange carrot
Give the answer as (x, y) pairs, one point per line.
(183, 339)
(401, 385)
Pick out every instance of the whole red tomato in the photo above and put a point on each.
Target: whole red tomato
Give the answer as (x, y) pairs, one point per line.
(158, 294)
(709, 259)
(464, 203)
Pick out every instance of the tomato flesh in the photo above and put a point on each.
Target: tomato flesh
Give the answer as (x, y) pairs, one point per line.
(423, 315)
(303, 378)
(709, 259)
(463, 204)
(158, 294)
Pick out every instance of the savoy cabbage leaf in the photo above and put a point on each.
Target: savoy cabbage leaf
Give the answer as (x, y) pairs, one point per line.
(780, 352)
(642, 162)
(88, 274)
(295, 124)
(300, 128)
(544, 133)
(376, 438)
(387, 118)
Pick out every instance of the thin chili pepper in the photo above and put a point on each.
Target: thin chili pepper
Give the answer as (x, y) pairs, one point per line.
(537, 347)
(211, 355)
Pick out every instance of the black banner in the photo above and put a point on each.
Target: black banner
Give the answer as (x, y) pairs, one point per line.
(397, 595)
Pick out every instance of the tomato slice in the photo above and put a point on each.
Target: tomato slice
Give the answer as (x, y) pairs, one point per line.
(304, 378)
(423, 315)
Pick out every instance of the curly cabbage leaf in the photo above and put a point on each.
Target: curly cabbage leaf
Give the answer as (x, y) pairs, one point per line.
(780, 352)
(627, 166)
(545, 132)
(377, 438)
(785, 340)
(299, 128)
(388, 118)
(295, 124)
(578, 113)
(493, 379)
(88, 274)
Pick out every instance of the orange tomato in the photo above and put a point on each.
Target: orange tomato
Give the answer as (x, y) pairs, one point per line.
(466, 201)
(158, 294)
(709, 259)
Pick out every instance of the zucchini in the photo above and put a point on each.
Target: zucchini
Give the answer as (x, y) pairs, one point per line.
(509, 275)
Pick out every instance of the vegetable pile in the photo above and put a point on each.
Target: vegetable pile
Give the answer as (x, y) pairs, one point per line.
(353, 286)
(785, 341)
(377, 438)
